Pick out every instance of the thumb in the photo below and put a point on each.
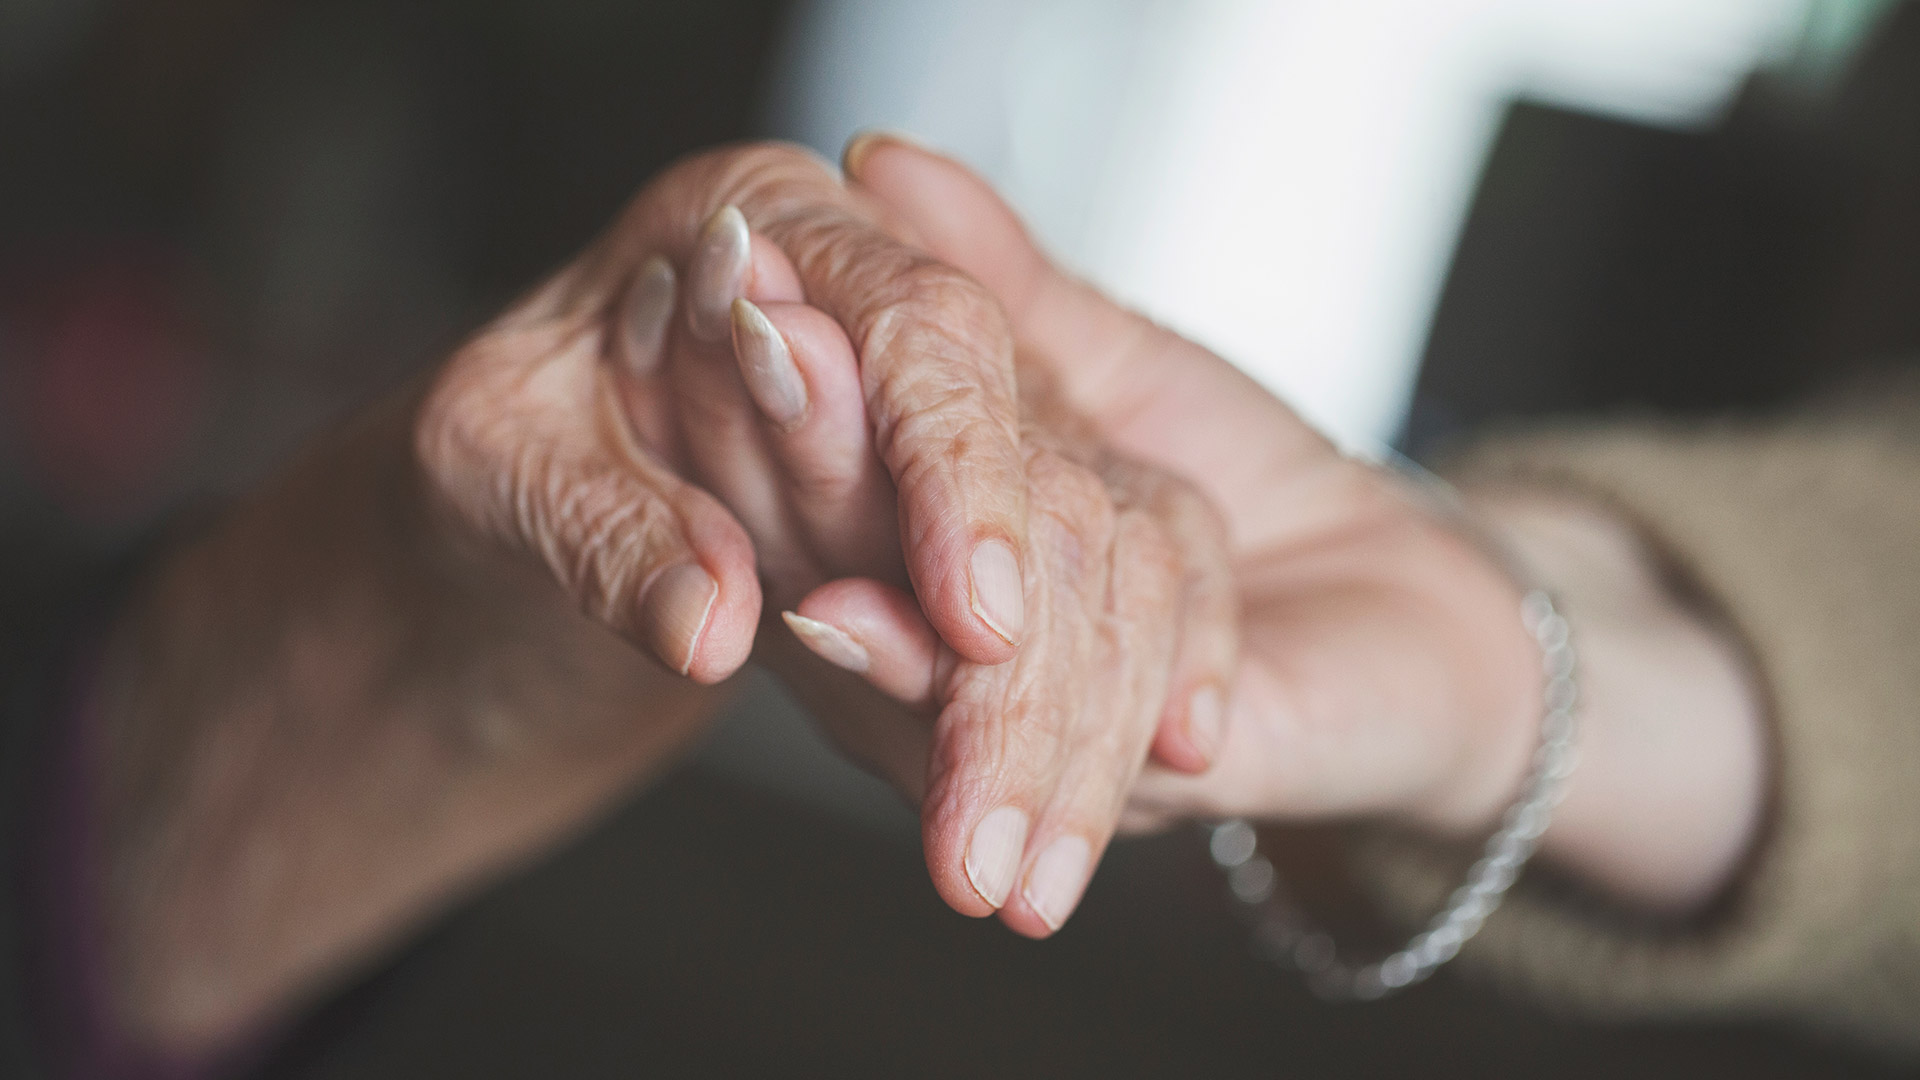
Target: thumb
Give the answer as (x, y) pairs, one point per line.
(1090, 345)
(638, 549)
(952, 212)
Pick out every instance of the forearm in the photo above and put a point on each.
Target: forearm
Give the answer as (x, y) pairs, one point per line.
(321, 721)
(1671, 785)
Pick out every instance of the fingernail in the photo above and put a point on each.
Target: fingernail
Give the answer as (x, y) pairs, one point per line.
(767, 364)
(718, 273)
(829, 643)
(1058, 878)
(993, 856)
(999, 596)
(649, 311)
(675, 613)
(854, 157)
(1206, 718)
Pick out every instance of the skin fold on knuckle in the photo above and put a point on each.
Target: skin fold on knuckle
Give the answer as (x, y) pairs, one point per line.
(1138, 646)
(1073, 520)
(487, 412)
(930, 305)
(1107, 748)
(1004, 729)
(933, 424)
(599, 532)
(941, 458)
(1149, 568)
(1104, 681)
(509, 435)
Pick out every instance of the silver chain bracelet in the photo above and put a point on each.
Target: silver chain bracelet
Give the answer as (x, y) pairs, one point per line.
(1282, 932)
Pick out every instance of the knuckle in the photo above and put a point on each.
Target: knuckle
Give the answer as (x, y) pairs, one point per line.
(938, 425)
(458, 432)
(600, 534)
(493, 442)
(986, 749)
(935, 285)
(927, 307)
(1073, 495)
(1097, 792)
(934, 404)
(1194, 515)
(488, 406)
(1146, 549)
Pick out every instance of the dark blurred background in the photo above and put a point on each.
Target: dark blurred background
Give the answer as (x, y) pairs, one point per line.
(225, 223)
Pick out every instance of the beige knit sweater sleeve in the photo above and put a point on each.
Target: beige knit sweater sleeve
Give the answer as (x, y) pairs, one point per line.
(1807, 535)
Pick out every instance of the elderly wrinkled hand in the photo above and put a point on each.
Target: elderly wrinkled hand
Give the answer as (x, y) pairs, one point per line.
(1020, 768)
(408, 661)
(1053, 609)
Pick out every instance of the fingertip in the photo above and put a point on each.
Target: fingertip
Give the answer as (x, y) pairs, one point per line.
(975, 862)
(822, 351)
(883, 629)
(973, 598)
(721, 261)
(860, 148)
(771, 277)
(696, 626)
(646, 313)
(725, 555)
(1056, 881)
(827, 448)
(996, 590)
(767, 366)
(995, 848)
(976, 602)
(675, 611)
(829, 643)
(1192, 731)
(727, 641)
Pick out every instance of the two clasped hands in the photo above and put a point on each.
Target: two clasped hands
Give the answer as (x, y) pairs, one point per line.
(1065, 570)
(1050, 569)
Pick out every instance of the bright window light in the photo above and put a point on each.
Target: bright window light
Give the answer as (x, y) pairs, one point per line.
(1283, 180)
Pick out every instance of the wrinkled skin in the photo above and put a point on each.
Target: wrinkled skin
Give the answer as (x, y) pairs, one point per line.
(1384, 670)
(1126, 591)
(419, 655)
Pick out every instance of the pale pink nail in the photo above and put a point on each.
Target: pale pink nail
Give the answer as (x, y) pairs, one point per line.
(718, 273)
(649, 311)
(674, 615)
(993, 856)
(773, 380)
(1057, 879)
(1206, 720)
(999, 596)
(829, 643)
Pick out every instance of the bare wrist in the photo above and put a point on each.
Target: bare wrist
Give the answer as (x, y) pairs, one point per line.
(1669, 793)
(339, 654)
